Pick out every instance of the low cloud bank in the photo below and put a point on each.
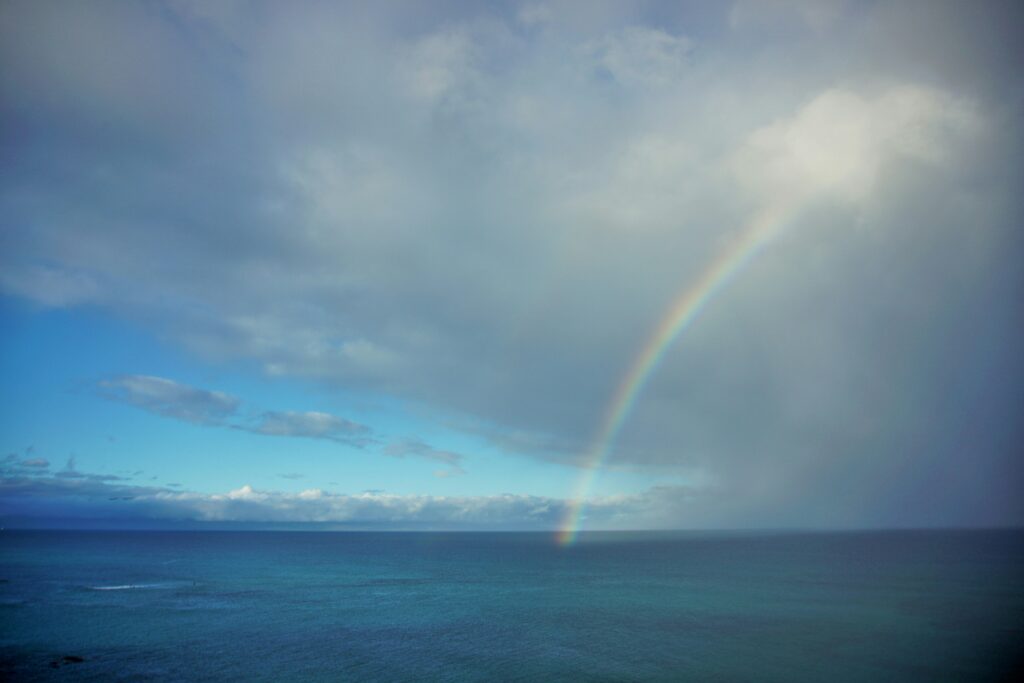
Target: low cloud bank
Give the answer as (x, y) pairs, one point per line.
(117, 502)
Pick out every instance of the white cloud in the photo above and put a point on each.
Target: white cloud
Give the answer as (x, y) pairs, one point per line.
(439, 65)
(640, 56)
(90, 496)
(838, 144)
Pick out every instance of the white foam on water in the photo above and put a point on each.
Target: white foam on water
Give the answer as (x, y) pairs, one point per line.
(132, 586)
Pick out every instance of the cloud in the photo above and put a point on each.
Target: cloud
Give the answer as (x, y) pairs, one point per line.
(14, 462)
(35, 463)
(314, 425)
(36, 499)
(404, 447)
(838, 144)
(439, 65)
(169, 398)
(639, 56)
(50, 286)
(779, 15)
(71, 472)
(172, 399)
(418, 448)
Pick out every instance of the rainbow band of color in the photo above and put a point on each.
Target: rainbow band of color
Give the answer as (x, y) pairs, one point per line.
(680, 315)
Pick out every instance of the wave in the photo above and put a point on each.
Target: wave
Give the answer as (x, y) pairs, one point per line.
(135, 586)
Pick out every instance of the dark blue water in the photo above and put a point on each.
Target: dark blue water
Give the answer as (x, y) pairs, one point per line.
(897, 606)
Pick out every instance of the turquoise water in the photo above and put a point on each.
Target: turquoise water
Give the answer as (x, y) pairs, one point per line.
(895, 606)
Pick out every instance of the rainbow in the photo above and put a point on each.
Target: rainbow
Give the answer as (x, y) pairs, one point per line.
(680, 315)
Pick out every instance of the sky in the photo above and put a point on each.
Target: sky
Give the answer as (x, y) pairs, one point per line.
(538, 265)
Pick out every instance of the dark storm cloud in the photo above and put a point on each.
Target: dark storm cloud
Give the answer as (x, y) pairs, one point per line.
(488, 212)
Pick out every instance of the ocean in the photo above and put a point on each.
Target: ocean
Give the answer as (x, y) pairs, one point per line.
(355, 606)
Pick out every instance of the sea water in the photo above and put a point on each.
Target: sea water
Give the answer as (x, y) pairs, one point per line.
(339, 606)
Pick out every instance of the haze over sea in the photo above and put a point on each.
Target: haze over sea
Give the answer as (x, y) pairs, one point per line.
(785, 606)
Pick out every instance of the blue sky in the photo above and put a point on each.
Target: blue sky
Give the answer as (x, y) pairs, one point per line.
(391, 266)
(58, 410)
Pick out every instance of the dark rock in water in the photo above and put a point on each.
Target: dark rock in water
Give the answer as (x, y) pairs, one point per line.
(66, 659)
